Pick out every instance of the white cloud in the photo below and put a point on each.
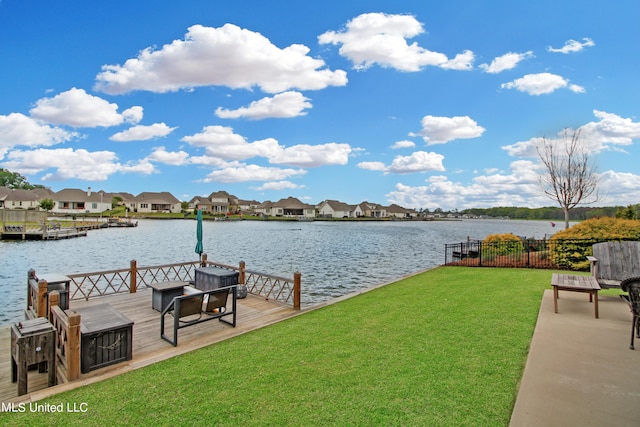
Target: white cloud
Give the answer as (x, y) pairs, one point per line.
(540, 84)
(440, 130)
(69, 163)
(19, 130)
(372, 166)
(505, 62)
(278, 185)
(518, 188)
(283, 105)
(378, 38)
(608, 132)
(403, 144)
(245, 173)
(417, 162)
(143, 133)
(77, 108)
(221, 142)
(226, 56)
(571, 46)
(161, 155)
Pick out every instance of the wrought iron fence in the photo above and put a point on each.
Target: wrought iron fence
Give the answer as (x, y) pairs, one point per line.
(525, 253)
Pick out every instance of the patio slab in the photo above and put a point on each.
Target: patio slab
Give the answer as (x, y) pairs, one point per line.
(580, 370)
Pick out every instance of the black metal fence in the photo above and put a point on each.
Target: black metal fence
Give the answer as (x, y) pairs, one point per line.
(524, 253)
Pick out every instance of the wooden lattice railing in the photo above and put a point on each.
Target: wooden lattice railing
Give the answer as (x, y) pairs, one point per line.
(89, 285)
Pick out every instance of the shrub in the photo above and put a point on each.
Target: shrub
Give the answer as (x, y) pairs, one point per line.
(571, 247)
(501, 244)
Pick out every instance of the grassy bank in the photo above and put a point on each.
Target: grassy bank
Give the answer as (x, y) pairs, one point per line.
(445, 347)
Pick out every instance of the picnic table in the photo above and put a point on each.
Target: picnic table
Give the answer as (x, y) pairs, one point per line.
(573, 283)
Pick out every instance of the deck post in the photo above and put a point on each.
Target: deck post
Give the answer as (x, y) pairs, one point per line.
(54, 301)
(241, 276)
(41, 303)
(133, 277)
(296, 290)
(73, 346)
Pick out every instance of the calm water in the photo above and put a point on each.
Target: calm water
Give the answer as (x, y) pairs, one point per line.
(335, 258)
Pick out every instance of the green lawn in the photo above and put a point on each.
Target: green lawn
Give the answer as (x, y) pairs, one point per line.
(446, 347)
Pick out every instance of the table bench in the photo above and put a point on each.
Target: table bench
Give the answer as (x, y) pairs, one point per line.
(573, 283)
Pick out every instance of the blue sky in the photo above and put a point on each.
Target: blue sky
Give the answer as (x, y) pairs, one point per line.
(424, 104)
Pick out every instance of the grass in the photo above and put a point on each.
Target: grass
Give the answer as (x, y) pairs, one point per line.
(446, 347)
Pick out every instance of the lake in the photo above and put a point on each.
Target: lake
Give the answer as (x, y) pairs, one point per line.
(334, 257)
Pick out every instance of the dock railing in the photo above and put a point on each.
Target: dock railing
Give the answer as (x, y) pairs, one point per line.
(100, 283)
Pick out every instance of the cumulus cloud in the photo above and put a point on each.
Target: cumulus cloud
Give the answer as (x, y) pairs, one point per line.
(540, 84)
(283, 105)
(517, 188)
(505, 62)
(226, 56)
(609, 132)
(403, 144)
(278, 186)
(417, 162)
(143, 133)
(221, 142)
(161, 155)
(69, 163)
(19, 130)
(440, 130)
(379, 38)
(77, 108)
(571, 46)
(244, 173)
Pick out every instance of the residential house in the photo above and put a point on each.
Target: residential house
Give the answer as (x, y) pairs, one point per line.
(18, 198)
(72, 201)
(335, 209)
(157, 202)
(265, 208)
(289, 207)
(370, 210)
(248, 205)
(396, 211)
(200, 203)
(223, 203)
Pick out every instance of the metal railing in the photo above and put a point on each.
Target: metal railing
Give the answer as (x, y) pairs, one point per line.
(525, 253)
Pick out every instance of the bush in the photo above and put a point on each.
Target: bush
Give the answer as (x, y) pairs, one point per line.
(502, 244)
(571, 247)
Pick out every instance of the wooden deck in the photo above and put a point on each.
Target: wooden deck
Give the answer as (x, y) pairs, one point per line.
(148, 347)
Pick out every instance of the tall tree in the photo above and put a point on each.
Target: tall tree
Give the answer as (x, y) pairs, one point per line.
(570, 176)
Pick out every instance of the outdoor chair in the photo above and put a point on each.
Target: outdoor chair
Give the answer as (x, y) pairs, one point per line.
(632, 286)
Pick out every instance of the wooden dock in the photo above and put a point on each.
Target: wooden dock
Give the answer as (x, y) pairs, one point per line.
(253, 313)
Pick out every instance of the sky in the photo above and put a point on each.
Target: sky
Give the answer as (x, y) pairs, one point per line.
(424, 104)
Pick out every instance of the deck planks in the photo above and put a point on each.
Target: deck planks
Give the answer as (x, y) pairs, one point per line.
(252, 313)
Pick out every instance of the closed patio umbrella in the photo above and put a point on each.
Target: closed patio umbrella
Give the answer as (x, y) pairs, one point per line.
(199, 248)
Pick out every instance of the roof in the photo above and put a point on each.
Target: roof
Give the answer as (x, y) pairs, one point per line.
(151, 197)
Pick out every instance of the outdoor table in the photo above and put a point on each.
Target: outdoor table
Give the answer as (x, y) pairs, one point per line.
(165, 292)
(573, 283)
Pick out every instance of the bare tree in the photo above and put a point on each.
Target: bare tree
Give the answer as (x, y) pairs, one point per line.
(570, 177)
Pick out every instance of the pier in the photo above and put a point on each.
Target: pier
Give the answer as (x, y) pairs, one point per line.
(270, 299)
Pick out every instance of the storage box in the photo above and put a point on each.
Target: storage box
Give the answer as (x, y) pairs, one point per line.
(210, 278)
(60, 283)
(106, 337)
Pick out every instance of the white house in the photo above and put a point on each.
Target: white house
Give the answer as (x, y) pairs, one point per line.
(335, 209)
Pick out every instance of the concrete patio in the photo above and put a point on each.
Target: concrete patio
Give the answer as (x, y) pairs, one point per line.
(580, 370)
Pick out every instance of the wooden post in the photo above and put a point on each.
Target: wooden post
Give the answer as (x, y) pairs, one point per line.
(297, 278)
(241, 276)
(133, 277)
(54, 301)
(73, 347)
(41, 303)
